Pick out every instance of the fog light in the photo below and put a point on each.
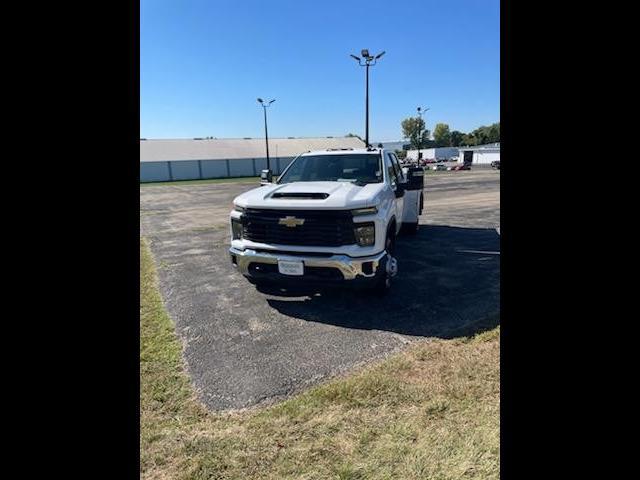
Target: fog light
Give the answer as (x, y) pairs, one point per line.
(236, 229)
(365, 234)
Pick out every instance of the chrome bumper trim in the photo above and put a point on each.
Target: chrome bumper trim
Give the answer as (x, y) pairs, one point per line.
(350, 267)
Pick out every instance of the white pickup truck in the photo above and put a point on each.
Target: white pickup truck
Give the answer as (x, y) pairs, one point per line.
(332, 217)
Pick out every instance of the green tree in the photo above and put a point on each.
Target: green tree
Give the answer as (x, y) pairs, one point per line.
(468, 140)
(442, 135)
(487, 134)
(481, 135)
(494, 133)
(427, 142)
(413, 129)
(456, 138)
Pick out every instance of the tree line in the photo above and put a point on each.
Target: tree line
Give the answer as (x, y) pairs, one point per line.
(413, 129)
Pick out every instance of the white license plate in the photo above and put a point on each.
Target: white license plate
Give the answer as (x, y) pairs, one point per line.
(290, 268)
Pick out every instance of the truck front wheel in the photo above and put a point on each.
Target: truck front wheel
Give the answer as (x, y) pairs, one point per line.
(383, 285)
(410, 228)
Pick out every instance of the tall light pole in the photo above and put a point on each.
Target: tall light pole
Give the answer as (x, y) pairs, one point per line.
(369, 60)
(266, 133)
(420, 112)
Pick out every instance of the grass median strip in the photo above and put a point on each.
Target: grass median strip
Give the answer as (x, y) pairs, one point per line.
(431, 411)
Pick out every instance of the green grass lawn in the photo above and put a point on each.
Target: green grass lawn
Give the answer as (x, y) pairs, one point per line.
(431, 411)
(255, 180)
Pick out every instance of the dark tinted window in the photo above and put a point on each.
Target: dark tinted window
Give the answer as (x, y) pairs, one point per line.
(396, 166)
(391, 170)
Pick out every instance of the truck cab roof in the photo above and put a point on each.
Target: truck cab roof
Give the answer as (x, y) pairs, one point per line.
(342, 151)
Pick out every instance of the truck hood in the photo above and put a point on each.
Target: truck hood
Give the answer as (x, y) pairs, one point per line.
(311, 196)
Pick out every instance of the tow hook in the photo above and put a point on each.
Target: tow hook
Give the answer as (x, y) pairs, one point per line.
(392, 266)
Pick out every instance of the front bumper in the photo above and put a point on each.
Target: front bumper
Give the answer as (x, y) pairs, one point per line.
(325, 269)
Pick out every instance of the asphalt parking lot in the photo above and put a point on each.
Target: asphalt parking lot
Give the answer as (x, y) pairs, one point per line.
(244, 347)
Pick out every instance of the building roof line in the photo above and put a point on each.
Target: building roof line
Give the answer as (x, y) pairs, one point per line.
(165, 150)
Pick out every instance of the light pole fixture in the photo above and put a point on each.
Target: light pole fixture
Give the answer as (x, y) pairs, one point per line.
(369, 60)
(420, 112)
(266, 132)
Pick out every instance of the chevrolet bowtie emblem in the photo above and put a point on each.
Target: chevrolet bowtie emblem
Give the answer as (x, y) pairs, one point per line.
(291, 221)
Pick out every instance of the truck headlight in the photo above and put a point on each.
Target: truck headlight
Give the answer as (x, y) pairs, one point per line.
(365, 233)
(236, 229)
(364, 211)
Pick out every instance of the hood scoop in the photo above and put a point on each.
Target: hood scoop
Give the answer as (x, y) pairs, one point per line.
(299, 195)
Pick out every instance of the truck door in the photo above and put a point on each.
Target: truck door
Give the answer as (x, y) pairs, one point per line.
(395, 178)
(413, 180)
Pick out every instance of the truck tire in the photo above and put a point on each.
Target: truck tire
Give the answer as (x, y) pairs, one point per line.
(383, 286)
(411, 228)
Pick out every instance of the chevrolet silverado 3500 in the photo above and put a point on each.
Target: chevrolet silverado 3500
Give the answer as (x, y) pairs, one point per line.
(332, 217)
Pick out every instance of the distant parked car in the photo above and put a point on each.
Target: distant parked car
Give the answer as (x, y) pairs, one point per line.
(464, 166)
(440, 166)
(430, 160)
(495, 164)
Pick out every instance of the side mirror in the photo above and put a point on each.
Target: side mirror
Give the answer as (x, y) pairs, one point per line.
(416, 178)
(266, 177)
(400, 188)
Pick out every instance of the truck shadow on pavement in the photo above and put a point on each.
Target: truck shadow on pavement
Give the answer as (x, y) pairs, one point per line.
(448, 286)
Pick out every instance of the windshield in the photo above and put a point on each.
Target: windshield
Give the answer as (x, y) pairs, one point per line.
(357, 168)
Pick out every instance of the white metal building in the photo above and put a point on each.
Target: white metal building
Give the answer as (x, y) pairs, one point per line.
(191, 159)
(391, 145)
(480, 154)
(439, 153)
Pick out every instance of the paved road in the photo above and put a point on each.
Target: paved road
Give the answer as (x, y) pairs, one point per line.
(244, 347)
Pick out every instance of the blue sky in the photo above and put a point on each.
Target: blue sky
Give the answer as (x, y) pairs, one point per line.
(204, 63)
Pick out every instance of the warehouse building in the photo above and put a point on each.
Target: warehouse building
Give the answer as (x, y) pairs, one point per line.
(439, 153)
(392, 145)
(193, 159)
(480, 154)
